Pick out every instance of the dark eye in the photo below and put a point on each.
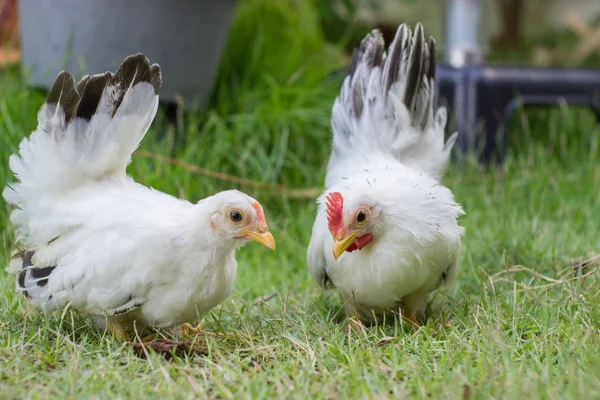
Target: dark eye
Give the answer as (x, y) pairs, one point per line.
(235, 216)
(361, 216)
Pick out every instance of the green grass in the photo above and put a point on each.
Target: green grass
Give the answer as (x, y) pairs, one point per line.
(511, 336)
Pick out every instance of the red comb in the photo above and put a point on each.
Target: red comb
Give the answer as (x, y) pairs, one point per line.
(259, 212)
(335, 205)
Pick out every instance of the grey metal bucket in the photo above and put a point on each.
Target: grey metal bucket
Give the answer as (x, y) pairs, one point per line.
(186, 37)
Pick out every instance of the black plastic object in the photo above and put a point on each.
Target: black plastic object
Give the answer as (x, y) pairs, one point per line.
(482, 98)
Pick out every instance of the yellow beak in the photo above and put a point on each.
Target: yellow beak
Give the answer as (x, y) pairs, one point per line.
(342, 243)
(265, 238)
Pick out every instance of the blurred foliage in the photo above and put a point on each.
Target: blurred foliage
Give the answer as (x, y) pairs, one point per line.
(272, 98)
(339, 25)
(269, 116)
(281, 70)
(272, 42)
(550, 47)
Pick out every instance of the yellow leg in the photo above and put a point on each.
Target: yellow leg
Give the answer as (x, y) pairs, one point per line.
(412, 318)
(148, 338)
(119, 333)
(188, 331)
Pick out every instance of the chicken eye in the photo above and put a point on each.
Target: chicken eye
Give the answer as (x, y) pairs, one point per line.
(361, 217)
(235, 216)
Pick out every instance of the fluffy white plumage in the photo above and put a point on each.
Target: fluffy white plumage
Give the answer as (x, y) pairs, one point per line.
(391, 224)
(92, 238)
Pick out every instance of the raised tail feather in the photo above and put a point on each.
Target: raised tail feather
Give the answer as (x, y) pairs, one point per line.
(85, 133)
(88, 133)
(386, 103)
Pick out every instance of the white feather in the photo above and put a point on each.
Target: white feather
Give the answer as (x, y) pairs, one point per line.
(389, 157)
(122, 252)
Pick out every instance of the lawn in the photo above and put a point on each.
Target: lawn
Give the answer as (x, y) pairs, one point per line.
(524, 322)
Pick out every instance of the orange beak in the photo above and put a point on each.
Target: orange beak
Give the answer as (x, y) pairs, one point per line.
(342, 242)
(260, 235)
(261, 232)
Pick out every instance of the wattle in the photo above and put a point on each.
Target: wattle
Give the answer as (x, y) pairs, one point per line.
(361, 242)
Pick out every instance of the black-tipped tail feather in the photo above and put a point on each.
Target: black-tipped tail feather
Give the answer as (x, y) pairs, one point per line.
(386, 105)
(91, 90)
(31, 279)
(86, 133)
(64, 95)
(93, 127)
(410, 62)
(84, 102)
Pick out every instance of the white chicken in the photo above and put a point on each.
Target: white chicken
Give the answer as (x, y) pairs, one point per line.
(92, 238)
(386, 231)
